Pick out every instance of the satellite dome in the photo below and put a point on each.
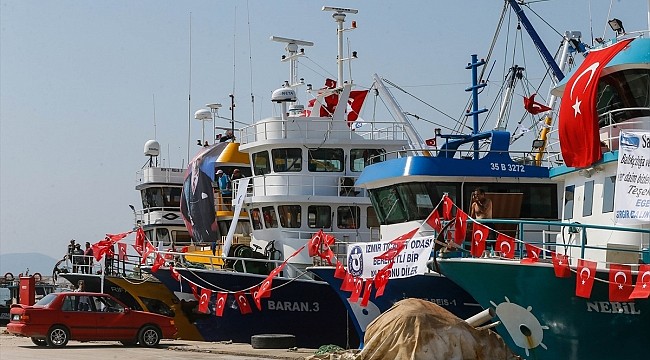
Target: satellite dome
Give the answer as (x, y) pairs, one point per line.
(151, 148)
(203, 114)
(284, 94)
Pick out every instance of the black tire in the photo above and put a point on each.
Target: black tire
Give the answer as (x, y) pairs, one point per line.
(39, 341)
(149, 336)
(57, 336)
(273, 341)
(128, 342)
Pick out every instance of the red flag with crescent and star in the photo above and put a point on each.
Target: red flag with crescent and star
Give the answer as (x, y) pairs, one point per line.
(533, 106)
(447, 205)
(121, 251)
(175, 274)
(505, 245)
(642, 287)
(532, 254)
(620, 282)
(339, 273)
(381, 279)
(434, 221)
(479, 235)
(242, 301)
(348, 282)
(460, 227)
(367, 290)
(139, 240)
(148, 250)
(157, 263)
(320, 239)
(586, 274)
(561, 265)
(195, 291)
(204, 300)
(578, 130)
(222, 297)
(358, 287)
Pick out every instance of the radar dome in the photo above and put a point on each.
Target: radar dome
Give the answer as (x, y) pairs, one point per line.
(151, 148)
(284, 95)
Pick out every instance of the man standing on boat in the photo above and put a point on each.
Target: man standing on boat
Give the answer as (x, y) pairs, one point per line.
(88, 259)
(225, 187)
(481, 206)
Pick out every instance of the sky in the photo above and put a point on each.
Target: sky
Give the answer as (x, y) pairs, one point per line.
(84, 84)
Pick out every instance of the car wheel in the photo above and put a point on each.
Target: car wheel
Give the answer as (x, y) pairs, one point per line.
(128, 342)
(58, 336)
(149, 336)
(39, 341)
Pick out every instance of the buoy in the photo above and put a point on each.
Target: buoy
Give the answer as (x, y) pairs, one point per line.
(9, 276)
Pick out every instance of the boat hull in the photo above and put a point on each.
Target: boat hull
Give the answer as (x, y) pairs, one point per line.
(431, 287)
(531, 300)
(310, 310)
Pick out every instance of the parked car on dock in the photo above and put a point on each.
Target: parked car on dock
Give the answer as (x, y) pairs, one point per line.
(60, 317)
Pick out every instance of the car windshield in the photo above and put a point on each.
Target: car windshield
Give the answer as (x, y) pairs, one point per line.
(46, 300)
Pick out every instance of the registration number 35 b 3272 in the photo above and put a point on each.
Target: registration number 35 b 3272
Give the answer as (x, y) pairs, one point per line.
(507, 167)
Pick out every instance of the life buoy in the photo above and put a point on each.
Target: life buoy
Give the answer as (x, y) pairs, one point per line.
(9, 276)
(37, 277)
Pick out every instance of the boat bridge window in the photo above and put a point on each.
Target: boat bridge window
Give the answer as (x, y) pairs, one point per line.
(289, 216)
(261, 163)
(319, 216)
(359, 158)
(348, 217)
(326, 160)
(371, 218)
(587, 206)
(538, 201)
(270, 219)
(569, 193)
(256, 219)
(609, 188)
(287, 160)
(623, 89)
(159, 197)
(409, 201)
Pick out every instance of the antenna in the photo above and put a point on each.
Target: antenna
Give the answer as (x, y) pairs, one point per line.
(154, 115)
(292, 56)
(339, 17)
(189, 98)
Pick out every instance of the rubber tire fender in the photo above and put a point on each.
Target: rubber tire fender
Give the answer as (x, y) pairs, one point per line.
(273, 341)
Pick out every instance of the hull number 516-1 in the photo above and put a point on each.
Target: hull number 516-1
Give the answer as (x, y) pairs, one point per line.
(507, 167)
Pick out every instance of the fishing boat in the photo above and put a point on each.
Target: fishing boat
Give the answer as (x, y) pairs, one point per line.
(304, 165)
(408, 190)
(162, 225)
(577, 287)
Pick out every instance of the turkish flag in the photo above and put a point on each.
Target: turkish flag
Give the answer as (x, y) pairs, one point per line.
(358, 287)
(330, 83)
(480, 233)
(195, 290)
(355, 102)
(339, 273)
(100, 248)
(532, 254)
(328, 255)
(430, 142)
(586, 273)
(381, 279)
(366, 293)
(620, 282)
(139, 240)
(242, 301)
(204, 300)
(395, 248)
(117, 237)
(447, 204)
(222, 297)
(434, 221)
(561, 265)
(348, 282)
(264, 290)
(460, 226)
(533, 106)
(642, 287)
(174, 273)
(578, 129)
(318, 240)
(148, 250)
(505, 245)
(121, 250)
(157, 263)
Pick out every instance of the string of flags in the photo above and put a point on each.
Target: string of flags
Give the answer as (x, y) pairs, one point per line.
(621, 287)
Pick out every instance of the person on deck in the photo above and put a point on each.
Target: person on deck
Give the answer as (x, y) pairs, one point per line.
(481, 207)
(88, 258)
(225, 186)
(77, 259)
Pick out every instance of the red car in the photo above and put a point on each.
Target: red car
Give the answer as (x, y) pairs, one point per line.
(85, 316)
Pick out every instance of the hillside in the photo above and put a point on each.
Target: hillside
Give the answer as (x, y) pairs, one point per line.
(17, 263)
